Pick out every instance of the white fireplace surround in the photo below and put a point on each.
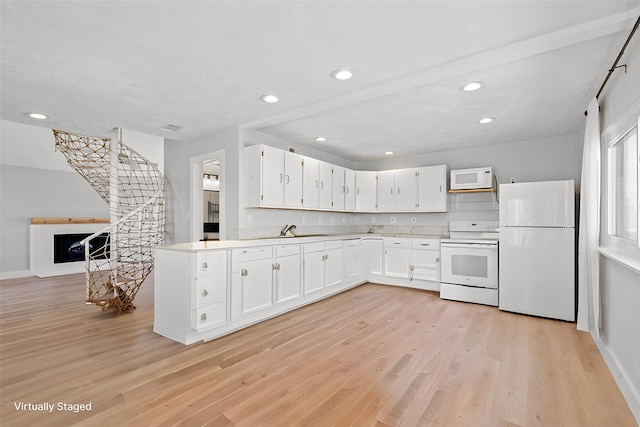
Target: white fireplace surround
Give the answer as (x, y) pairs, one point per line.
(41, 248)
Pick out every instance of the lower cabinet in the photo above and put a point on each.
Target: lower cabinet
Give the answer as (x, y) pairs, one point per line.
(425, 260)
(322, 265)
(202, 294)
(397, 253)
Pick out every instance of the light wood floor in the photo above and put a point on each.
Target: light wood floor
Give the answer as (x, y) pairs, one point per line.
(372, 356)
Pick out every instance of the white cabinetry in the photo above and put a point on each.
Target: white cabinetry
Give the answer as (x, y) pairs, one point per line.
(322, 265)
(251, 280)
(425, 259)
(366, 190)
(397, 190)
(275, 177)
(287, 272)
(209, 290)
(310, 182)
(397, 253)
(374, 252)
(325, 190)
(355, 260)
(432, 188)
(349, 190)
(339, 188)
(190, 294)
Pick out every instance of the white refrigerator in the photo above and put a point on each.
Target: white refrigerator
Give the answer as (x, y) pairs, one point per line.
(537, 249)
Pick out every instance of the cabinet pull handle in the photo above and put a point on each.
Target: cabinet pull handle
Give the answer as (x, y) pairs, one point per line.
(391, 190)
(204, 266)
(437, 259)
(203, 317)
(280, 178)
(357, 191)
(346, 189)
(288, 179)
(441, 188)
(398, 190)
(204, 293)
(425, 244)
(411, 268)
(316, 183)
(244, 272)
(322, 185)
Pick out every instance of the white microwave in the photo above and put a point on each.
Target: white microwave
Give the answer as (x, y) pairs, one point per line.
(468, 179)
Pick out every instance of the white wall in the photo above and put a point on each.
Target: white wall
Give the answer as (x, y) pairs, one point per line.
(620, 285)
(36, 181)
(178, 159)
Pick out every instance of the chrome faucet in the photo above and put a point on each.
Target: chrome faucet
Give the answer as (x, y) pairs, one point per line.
(288, 228)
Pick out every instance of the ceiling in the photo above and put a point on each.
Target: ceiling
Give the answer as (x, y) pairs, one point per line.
(203, 65)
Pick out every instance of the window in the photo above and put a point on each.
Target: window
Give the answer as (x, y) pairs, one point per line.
(623, 157)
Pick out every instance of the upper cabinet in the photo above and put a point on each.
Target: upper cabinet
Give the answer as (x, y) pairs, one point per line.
(432, 189)
(281, 179)
(366, 191)
(275, 177)
(397, 190)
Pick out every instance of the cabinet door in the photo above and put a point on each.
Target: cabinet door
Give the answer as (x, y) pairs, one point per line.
(256, 285)
(292, 180)
(354, 260)
(272, 176)
(386, 191)
(366, 189)
(310, 182)
(374, 251)
(339, 188)
(406, 190)
(396, 257)
(287, 278)
(333, 267)
(325, 191)
(425, 265)
(313, 271)
(432, 188)
(349, 190)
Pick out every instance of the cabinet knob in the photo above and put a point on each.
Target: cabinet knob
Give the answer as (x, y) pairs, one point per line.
(244, 272)
(204, 293)
(204, 266)
(203, 317)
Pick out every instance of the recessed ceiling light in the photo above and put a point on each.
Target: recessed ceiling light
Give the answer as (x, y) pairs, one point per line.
(269, 99)
(342, 74)
(320, 138)
(470, 87)
(486, 120)
(388, 153)
(38, 116)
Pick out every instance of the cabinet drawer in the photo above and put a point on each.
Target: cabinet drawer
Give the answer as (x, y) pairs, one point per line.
(251, 254)
(209, 317)
(426, 243)
(397, 243)
(211, 262)
(333, 244)
(285, 250)
(209, 291)
(313, 247)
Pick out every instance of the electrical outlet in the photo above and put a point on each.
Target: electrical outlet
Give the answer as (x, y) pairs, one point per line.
(393, 220)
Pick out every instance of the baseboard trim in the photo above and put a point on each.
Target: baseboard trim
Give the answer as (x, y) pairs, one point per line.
(15, 274)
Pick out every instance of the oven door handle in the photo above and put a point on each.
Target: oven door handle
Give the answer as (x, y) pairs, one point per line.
(469, 245)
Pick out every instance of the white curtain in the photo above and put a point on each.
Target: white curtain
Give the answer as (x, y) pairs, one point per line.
(589, 229)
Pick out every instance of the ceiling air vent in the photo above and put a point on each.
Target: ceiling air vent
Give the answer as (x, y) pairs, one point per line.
(171, 128)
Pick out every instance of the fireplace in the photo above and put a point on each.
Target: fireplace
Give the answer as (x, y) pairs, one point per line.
(55, 247)
(67, 247)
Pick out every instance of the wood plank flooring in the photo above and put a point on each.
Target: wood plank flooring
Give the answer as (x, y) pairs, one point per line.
(373, 356)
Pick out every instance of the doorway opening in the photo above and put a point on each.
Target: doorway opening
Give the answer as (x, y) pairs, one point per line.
(207, 197)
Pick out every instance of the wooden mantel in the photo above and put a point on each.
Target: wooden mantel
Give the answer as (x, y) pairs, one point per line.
(37, 220)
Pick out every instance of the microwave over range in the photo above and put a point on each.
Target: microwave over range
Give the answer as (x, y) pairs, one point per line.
(469, 179)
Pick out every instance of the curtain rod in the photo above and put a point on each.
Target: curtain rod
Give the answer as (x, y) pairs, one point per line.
(615, 64)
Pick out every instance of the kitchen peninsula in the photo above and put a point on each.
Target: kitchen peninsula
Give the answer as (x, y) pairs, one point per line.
(205, 290)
